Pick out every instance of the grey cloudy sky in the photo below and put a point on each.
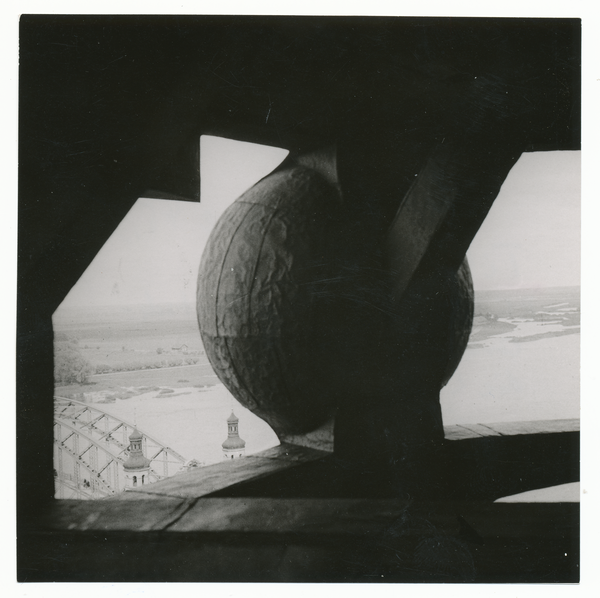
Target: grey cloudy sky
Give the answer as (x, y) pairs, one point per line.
(530, 239)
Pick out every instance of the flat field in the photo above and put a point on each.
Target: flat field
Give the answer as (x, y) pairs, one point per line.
(540, 305)
(134, 337)
(522, 363)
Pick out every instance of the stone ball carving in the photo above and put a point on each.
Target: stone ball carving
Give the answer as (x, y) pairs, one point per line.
(293, 321)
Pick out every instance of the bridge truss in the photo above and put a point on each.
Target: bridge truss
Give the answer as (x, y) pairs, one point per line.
(90, 447)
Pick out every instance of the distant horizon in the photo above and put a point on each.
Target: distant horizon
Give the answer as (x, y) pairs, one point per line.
(529, 240)
(193, 303)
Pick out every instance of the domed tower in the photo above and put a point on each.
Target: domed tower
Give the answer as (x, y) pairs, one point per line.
(137, 466)
(234, 447)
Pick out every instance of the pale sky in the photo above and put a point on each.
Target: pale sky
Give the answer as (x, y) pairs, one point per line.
(154, 254)
(530, 239)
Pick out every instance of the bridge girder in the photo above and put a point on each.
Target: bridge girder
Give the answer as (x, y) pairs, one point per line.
(69, 415)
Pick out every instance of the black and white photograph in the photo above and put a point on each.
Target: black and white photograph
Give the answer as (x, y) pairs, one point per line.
(298, 299)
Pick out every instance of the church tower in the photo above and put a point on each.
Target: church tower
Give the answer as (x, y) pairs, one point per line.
(137, 466)
(234, 447)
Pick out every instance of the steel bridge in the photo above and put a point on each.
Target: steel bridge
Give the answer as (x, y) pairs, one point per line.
(90, 447)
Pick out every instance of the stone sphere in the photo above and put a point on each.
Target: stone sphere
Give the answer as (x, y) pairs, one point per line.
(292, 325)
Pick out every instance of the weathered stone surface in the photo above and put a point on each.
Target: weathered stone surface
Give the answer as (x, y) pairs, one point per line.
(263, 273)
(293, 326)
(320, 438)
(212, 478)
(546, 426)
(255, 540)
(334, 517)
(114, 514)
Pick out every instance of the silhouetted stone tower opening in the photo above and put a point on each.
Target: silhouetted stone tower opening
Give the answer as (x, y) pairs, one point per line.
(234, 447)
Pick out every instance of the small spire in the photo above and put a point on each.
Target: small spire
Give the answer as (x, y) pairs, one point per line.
(136, 459)
(234, 447)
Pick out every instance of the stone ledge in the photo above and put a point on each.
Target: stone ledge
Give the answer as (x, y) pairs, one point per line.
(547, 426)
(309, 517)
(285, 540)
(463, 442)
(212, 478)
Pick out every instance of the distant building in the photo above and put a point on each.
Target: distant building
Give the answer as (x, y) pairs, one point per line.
(137, 466)
(234, 447)
(192, 464)
(182, 349)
